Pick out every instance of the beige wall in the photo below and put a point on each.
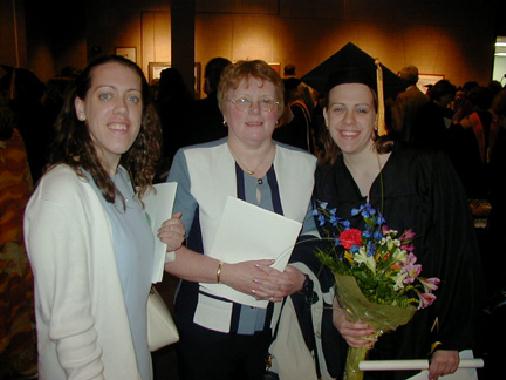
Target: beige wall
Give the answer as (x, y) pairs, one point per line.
(449, 37)
(12, 33)
(439, 40)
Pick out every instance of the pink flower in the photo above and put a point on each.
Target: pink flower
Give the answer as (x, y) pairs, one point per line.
(426, 299)
(350, 238)
(430, 284)
(407, 236)
(413, 270)
(408, 247)
(410, 259)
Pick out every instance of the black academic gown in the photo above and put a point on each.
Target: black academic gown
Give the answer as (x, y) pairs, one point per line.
(419, 191)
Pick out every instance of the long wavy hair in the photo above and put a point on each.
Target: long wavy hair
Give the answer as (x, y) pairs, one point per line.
(72, 144)
(331, 151)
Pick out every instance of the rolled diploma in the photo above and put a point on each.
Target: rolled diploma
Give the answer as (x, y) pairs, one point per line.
(410, 365)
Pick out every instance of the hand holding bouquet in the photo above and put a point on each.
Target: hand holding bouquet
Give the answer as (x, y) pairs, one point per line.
(377, 277)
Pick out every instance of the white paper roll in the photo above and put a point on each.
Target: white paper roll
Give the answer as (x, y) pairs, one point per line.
(410, 365)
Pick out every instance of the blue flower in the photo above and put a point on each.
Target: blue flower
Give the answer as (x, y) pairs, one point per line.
(354, 248)
(366, 234)
(354, 211)
(378, 235)
(315, 212)
(371, 249)
(333, 220)
(323, 205)
(321, 219)
(380, 220)
(346, 224)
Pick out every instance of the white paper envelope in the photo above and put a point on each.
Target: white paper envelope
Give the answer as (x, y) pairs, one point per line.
(248, 232)
(158, 205)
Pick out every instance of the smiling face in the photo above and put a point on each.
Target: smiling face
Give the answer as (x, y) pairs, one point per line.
(350, 116)
(112, 109)
(251, 112)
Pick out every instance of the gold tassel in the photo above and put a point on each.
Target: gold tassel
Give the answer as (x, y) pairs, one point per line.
(381, 103)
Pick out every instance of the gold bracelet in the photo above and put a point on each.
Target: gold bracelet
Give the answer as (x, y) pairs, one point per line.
(218, 272)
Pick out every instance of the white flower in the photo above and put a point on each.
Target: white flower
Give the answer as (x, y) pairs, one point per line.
(361, 257)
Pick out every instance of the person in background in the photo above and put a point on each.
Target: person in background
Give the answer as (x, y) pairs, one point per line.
(295, 128)
(407, 105)
(18, 353)
(206, 117)
(173, 104)
(25, 94)
(249, 165)
(87, 235)
(434, 117)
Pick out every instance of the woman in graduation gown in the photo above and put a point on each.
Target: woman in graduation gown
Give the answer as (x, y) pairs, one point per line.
(413, 189)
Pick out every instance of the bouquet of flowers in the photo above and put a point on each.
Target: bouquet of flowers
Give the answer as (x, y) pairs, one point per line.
(377, 277)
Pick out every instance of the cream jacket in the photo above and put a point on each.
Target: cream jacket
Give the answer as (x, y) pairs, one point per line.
(82, 324)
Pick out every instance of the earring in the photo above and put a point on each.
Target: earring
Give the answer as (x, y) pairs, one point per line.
(224, 123)
(81, 117)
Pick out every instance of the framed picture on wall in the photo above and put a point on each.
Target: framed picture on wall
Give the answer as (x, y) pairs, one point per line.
(127, 52)
(155, 68)
(425, 80)
(276, 66)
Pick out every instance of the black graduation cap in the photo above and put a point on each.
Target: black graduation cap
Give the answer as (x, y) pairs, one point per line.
(351, 65)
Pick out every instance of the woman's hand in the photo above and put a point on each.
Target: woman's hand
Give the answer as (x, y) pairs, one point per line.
(357, 334)
(290, 281)
(172, 232)
(254, 277)
(443, 363)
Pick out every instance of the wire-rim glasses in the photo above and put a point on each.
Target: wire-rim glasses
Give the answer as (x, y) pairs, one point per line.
(265, 105)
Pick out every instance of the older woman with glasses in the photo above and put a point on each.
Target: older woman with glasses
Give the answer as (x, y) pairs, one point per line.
(249, 165)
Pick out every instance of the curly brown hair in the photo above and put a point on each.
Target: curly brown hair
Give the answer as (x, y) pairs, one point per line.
(233, 74)
(72, 144)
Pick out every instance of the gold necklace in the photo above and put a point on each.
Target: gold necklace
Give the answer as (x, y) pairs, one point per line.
(250, 172)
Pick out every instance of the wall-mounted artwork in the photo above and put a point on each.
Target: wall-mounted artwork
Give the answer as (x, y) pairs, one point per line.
(276, 66)
(155, 68)
(425, 80)
(127, 52)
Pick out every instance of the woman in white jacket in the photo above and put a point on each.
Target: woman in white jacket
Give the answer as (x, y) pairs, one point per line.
(87, 235)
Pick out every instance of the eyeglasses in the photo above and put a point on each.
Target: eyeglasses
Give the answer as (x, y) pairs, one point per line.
(245, 104)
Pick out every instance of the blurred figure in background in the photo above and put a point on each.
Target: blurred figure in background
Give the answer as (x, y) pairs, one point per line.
(18, 355)
(206, 118)
(173, 103)
(295, 125)
(407, 106)
(25, 94)
(434, 117)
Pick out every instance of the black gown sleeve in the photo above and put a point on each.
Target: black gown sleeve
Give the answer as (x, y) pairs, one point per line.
(454, 258)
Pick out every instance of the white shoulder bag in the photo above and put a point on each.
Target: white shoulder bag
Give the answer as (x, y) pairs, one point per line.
(161, 328)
